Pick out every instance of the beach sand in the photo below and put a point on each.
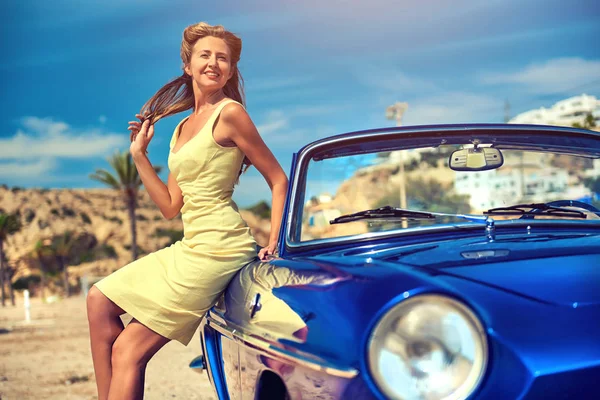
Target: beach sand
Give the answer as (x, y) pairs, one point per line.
(50, 357)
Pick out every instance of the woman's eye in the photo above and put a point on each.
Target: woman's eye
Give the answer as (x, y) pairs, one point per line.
(204, 55)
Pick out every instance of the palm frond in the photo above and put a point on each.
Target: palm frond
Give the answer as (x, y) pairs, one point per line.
(127, 177)
(106, 177)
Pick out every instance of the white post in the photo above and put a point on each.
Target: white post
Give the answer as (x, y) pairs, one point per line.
(27, 306)
(84, 285)
(396, 111)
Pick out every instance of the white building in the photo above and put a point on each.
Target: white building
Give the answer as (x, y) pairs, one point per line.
(529, 182)
(564, 113)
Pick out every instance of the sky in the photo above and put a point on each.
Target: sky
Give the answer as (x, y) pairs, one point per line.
(73, 73)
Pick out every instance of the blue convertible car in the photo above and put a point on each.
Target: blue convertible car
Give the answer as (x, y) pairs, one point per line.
(433, 262)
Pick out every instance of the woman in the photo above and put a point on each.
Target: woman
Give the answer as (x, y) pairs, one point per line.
(168, 292)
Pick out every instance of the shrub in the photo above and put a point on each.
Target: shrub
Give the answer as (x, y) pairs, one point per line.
(174, 235)
(140, 250)
(29, 215)
(85, 218)
(261, 209)
(107, 250)
(25, 282)
(113, 219)
(68, 212)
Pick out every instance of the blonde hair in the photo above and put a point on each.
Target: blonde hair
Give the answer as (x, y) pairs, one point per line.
(178, 95)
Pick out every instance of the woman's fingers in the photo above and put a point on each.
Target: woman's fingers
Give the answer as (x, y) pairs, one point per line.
(140, 129)
(143, 127)
(150, 133)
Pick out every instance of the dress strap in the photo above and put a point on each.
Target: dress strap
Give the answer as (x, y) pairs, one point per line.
(211, 121)
(208, 125)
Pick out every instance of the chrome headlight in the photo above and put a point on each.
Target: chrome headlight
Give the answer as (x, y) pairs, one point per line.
(428, 347)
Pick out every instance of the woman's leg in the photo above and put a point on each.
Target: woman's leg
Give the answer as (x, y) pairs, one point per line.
(131, 352)
(105, 326)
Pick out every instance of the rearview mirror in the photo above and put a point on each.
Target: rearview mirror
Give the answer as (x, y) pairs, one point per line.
(476, 159)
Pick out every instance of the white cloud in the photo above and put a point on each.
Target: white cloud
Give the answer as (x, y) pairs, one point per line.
(44, 137)
(274, 122)
(25, 170)
(453, 107)
(277, 131)
(559, 75)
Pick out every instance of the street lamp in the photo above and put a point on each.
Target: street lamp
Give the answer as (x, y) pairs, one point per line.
(396, 111)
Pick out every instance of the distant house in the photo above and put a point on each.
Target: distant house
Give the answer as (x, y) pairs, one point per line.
(563, 113)
(320, 218)
(530, 180)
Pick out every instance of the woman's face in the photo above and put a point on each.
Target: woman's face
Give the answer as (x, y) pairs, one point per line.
(210, 64)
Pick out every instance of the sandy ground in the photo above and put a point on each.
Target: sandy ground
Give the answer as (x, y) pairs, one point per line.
(50, 357)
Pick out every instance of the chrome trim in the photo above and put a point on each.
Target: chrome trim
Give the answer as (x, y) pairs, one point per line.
(394, 133)
(490, 229)
(297, 358)
(198, 364)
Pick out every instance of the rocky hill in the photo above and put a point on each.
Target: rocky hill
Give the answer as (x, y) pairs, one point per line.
(99, 219)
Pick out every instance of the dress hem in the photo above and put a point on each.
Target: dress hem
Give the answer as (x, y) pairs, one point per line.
(143, 317)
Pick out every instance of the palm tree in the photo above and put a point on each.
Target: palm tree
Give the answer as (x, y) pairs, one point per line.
(39, 253)
(60, 246)
(9, 224)
(128, 182)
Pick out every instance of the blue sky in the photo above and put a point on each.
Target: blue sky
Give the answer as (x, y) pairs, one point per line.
(73, 73)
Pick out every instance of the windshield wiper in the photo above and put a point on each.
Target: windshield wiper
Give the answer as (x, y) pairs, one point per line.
(536, 209)
(393, 212)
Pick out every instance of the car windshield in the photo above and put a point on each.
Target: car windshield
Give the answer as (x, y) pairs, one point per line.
(420, 179)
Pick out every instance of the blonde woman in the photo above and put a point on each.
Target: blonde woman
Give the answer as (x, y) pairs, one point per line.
(168, 292)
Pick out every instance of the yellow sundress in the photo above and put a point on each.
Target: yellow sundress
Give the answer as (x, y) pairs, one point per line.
(170, 290)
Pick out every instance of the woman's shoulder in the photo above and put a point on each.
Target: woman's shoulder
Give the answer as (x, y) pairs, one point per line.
(233, 111)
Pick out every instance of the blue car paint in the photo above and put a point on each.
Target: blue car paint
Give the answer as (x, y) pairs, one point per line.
(539, 304)
(506, 313)
(212, 352)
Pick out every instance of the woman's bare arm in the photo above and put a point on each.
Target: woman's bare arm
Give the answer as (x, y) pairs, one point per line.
(167, 197)
(236, 125)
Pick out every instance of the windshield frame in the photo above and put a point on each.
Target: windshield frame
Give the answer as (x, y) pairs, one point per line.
(573, 141)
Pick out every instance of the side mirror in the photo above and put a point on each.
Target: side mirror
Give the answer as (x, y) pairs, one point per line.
(476, 159)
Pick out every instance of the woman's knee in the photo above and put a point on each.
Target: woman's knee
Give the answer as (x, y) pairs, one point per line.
(127, 355)
(99, 306)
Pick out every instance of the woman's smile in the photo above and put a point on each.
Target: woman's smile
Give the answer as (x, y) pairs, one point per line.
(212, 74)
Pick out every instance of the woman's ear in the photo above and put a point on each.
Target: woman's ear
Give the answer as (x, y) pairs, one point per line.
(187, 70)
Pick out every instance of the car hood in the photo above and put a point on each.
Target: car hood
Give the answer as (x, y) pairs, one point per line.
(560, 269)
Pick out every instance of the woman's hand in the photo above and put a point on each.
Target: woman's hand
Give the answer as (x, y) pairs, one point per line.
(141, 135)
(265, 252)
